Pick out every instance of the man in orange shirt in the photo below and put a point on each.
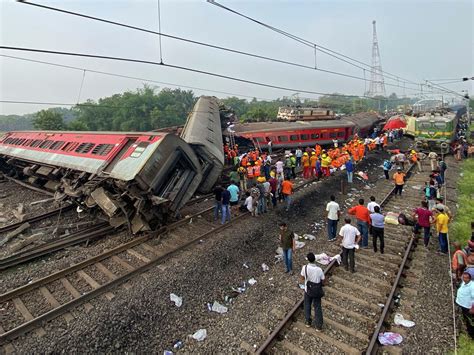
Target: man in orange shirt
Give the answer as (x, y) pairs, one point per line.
(287, 191)
(363, 220)
(399, 179)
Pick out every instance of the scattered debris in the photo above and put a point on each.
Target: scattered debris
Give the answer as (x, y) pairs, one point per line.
(41, 201)
(265, 267)
(178, 301)
(389, 338)
(400, 320)
(309, 236)
(31, 239)
(252, 281)
(299, 244)
(178, 345)
(245, 265)
(217, 307)
(200, 335)
(14, 233)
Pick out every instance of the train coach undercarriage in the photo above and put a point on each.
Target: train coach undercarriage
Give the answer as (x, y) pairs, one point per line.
(130, 203)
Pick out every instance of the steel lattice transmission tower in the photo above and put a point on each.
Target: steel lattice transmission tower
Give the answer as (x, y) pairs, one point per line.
(377, 85)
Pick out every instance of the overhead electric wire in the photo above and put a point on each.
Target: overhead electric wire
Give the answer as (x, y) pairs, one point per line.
(310, 43)
(142, 61)
(440, 87)
(231, 50)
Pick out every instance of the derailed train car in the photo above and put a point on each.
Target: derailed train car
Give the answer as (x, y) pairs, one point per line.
(203, 132)
(135, 178)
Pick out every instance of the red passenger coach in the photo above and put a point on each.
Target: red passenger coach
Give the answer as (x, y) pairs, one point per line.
(154, 172)
(294, 134)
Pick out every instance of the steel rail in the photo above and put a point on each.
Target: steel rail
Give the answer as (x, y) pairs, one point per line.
(78, 237)
(28, 186)
(36, 218)
(283, 323)
(36, 322)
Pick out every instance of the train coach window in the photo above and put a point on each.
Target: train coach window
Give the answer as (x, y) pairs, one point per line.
(36, 143)
(304, 137)
(102, 149)
(294, 137)
(46, 144)
(440, 125)
(56, 145)
(84, 148)
(70, 146)
(340, 134)
(314, 135)
(332, 135)
(259, 139)
(283, 138)
(139, 149)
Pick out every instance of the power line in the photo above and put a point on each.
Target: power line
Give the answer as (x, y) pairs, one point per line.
(149, 62)
(308, 43)
(248, 54)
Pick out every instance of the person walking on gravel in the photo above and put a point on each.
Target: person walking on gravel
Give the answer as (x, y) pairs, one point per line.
(433, 157)
(424, 219)
(363, 221)
(442, 221)
(333, 212)
(287, 191)
(399, 179)
(287, 242)
(350, 237)
(465, 300)
(377, 222)
(313, 278)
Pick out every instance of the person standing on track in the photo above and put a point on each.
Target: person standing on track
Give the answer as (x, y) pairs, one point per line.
(350, 237)
(299, 155)
(287, 242)
(433, 157)
(387, 165)
(399, 179)
(313, 278)
(333, 214)
(465, 300)
(363, 221)
(442, 220)
(287, 191)
(372, 204)
(377, 222)
(217, 201)
(226, 196)
(234, 195)
(350, 170)
(306, 165)
(424, 220)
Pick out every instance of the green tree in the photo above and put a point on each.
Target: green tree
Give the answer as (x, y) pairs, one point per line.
(48, 120)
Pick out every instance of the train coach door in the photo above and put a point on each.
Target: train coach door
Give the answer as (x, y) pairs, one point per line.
(125, 145)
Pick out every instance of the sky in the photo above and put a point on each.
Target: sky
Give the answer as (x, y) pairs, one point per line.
(418, 40)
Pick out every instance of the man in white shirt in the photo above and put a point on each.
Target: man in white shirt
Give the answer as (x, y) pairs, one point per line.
(350, 236)
(372, 204)
(312, 273)
(333, 213)
(249, 202)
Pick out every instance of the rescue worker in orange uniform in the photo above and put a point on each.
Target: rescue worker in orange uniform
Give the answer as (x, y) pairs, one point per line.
(313, 160)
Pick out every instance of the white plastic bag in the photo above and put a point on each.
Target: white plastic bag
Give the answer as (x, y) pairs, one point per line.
(178, 301)
(200, 335)
(217, 307)
(252, 281)
(400, 320)
(265, 267)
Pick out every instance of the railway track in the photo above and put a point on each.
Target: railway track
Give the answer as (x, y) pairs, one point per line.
(358, 307)
(98, 275)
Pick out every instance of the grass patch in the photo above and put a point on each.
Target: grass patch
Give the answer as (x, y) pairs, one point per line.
(460, 230)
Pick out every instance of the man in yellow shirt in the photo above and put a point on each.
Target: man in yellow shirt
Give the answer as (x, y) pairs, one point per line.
(442, 221)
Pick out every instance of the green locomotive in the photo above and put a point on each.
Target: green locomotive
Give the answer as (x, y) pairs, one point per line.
(435, 132)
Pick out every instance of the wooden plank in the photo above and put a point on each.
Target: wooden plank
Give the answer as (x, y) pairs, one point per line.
(8, 348)
(292, 348)
(101, 267)
(328, 339)
(75, 293)
(93, 283)
(20, 306)
(122, 263)
(54, 303)
(138, 255)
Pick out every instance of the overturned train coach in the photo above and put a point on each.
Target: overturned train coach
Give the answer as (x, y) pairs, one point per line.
(135, 178)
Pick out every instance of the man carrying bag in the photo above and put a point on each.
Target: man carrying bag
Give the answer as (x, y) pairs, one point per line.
(313, 278)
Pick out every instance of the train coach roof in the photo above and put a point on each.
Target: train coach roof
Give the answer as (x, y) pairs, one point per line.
(155, 133)
(271, 126)
(446, 118)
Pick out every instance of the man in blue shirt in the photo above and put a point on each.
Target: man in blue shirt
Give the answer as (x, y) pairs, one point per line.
(234, 194)
(350, 170)
(225, 206)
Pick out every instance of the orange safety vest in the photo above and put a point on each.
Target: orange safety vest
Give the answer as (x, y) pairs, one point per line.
(313, 160)
(455, 263)
(305, 160)
(244, 161)
(256, 170)
(250, 172)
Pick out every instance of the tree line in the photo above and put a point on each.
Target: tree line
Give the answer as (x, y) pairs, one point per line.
(148, 109)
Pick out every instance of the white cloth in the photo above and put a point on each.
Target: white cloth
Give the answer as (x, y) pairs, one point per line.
(279, 166)
(377, 140)
(371, 205)
(332, 208)
(315, 274)
(248, 203)
(348, 234)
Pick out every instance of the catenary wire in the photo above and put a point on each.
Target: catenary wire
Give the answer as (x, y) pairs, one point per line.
(276, 60)
(309, 43)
